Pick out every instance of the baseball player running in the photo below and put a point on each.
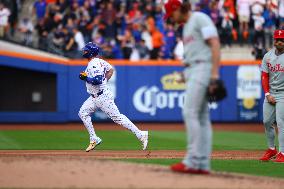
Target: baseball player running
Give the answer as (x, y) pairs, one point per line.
(201, 59)
(96, 75)
(272, 75)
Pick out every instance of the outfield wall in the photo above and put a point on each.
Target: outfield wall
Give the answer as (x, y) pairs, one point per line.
(145, 90)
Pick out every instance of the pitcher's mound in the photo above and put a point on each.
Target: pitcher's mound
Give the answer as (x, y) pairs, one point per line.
(89, 172)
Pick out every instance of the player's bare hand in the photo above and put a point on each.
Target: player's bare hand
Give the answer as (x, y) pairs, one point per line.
(271, 99)
(179, 77)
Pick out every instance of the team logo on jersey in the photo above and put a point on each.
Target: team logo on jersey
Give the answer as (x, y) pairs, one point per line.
(276, 68)
(169, 82)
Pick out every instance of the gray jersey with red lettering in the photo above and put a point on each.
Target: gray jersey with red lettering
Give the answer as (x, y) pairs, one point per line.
(196, 31)
(274, 66)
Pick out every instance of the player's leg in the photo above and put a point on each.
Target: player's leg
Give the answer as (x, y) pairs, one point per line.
(195, 94)
(269, 118)
(85, 112)
(205, 137)
(107, 105)
(280, 125)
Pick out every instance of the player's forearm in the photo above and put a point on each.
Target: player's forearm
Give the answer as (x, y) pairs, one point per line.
(215, 49)
(69, 45)
(109, 74)
(265, 81)
(97, 80)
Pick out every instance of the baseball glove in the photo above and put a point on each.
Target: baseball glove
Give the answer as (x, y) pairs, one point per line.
(216, 90)
(83, 76)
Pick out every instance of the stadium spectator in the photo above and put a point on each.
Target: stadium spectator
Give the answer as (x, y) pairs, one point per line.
(269, 24)
(170, 41)
(79, 39)
(243, 10)
(259, 37)
(56, 41)
(214, 12)
(142, 49)
(26, 29)
(39, 9)
(226, 27)
(4, 22)
(281, 12)
(178, 51)
(230, 5)
(158, 42)
(108, 13)
(146, 36)
(105, 21)
(204, 7)
(127, 43)
(257, 7)
(43, 31)
(70, 47)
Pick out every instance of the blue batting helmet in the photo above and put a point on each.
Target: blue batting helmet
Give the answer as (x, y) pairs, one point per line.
(90, 50)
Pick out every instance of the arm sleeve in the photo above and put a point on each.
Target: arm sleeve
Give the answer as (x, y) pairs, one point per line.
(264, 75)
(265, 81)
(207, 27)
(97, 80)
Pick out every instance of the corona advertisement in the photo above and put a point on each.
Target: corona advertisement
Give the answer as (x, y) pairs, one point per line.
(248, 92)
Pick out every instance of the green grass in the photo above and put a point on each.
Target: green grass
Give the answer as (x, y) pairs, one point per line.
(122, 140)
(159, 140)
(251, 167)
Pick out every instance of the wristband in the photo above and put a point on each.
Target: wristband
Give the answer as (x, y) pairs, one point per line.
(266, 94)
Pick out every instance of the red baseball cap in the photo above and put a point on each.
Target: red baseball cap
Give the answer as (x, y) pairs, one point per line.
(171, 6)
(278, 34)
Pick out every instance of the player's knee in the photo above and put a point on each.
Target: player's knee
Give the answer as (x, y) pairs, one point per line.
(267, 122)
(82, 114)
(190, 112)
(118, 119)
(280, 122)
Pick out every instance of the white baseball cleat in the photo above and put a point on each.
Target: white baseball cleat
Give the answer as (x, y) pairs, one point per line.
(144, 140)
(92, 145)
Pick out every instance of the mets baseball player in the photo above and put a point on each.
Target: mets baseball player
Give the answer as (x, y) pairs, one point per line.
(272, 68)
(96, 76)
(201, 60)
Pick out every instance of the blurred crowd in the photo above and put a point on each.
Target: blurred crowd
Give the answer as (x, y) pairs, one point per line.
(130, 29)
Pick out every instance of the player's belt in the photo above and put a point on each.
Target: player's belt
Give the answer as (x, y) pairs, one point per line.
(98, 94)
(277, 90)
(194, 62)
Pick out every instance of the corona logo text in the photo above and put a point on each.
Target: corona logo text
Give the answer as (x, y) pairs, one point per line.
(150, 99)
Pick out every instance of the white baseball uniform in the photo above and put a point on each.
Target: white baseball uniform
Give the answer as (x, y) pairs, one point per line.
(101, 97)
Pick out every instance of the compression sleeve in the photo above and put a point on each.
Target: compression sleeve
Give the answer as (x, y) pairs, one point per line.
(265, 81)
(97, 80)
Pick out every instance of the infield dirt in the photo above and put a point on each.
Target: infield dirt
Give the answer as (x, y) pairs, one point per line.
(78, 169)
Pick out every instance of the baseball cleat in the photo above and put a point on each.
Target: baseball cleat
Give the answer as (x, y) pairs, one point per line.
(182, 168)
(268, 155)
(92, 145)
(279, 158)
(144, 140)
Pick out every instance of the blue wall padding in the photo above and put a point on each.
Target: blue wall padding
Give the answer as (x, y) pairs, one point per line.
(155, 103)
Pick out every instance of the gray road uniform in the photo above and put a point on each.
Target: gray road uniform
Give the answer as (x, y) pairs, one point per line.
(274, 66)
(198, 62)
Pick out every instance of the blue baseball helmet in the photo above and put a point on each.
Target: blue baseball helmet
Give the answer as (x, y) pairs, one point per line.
(90, 50)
